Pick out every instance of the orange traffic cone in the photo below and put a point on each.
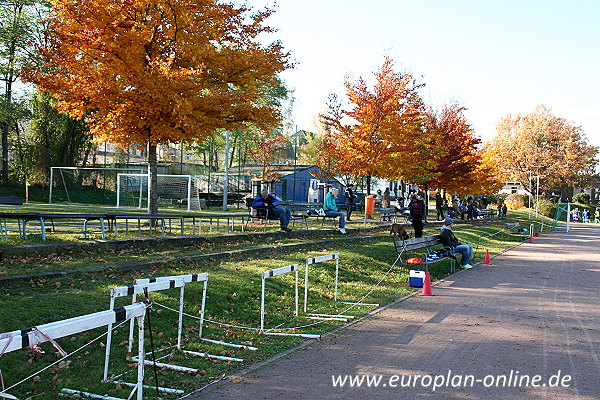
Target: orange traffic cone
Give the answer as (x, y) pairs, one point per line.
(486, 259)
(427, 286)
(530, 239)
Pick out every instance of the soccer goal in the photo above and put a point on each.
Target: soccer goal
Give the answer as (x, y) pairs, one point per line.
(80, 184)
(182, 190)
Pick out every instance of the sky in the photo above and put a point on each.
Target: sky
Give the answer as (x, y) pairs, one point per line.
(492, 57)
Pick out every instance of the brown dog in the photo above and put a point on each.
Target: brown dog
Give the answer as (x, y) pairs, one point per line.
(400, 231)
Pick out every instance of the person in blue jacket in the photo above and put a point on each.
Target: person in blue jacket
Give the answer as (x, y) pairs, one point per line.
(269, 203)
(332, 211)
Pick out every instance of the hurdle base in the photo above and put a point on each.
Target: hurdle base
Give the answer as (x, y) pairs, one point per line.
(169, 366)
(304, 335)
(206, 355)
(332, 315)
(360, 304)
(237, 346)
(160, 389)
(69, 392)
(332, 318)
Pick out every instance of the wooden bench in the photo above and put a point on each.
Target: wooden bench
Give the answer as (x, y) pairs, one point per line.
(427, 245)
(12, 201)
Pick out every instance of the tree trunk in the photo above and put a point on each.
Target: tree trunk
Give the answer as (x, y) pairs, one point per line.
(426, 199)
(368, 184)
(5, 152)
(152, 180)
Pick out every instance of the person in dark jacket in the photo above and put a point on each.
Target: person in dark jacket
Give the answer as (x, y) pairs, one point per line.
(416, 208)
(350, 196)
(439, 204)
(449, 240)
(269, 203)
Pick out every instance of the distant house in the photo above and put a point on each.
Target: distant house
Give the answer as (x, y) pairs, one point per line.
(514, 187)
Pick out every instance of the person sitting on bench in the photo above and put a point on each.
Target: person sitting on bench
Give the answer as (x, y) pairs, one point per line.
(269, 203)
(449, 240)
(331, 209)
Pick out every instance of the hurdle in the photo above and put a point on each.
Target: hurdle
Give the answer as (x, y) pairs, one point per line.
(56, 330)
(135, 290)
(338, 317)
(189, 278)
(269, 274)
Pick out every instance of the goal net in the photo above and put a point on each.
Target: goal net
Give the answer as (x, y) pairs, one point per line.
(85, 185)
(179, 190)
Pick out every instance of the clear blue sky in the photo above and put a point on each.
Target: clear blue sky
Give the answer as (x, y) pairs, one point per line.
(493, 57)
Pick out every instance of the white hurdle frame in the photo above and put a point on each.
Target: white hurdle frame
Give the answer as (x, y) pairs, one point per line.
(320, 259)
(123, 291)
(189, 278)
(269, 274)
(72, 326)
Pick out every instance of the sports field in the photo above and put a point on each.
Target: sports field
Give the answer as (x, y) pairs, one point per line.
(234, 264)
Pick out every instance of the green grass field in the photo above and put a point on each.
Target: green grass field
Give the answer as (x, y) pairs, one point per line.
(233, 297)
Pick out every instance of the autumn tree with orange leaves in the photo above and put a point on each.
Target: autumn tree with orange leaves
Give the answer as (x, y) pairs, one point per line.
(458, 163)
(382, 134)
(267, 146)
(149, 72)
(542, 144)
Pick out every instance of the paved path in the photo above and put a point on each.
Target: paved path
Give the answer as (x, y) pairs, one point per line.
(535, 310)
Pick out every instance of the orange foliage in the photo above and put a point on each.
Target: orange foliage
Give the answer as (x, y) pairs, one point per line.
(158, 71)
(266, 146)
(458, 163)
(542, 144)
(381, 135)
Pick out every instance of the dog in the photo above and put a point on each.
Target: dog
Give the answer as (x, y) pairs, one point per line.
(399, 231)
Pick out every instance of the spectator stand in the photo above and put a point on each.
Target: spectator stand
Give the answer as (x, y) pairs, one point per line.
(163, 223)
(11, 201)
(68, 220)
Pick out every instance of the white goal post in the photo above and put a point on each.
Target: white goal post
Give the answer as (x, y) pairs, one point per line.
(87, 176)
(132, 190)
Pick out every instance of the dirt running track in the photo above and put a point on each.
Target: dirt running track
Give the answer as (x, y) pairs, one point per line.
(535, 310)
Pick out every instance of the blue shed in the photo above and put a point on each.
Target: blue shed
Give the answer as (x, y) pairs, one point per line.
(298, 184)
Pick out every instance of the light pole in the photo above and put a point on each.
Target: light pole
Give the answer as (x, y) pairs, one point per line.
(530, 193)
(537, 195)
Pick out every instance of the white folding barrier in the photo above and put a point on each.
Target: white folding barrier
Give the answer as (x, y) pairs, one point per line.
(130, 291)
(269, 274)
(189, 278)
(315, 260)
(320, 259)
(56, 330)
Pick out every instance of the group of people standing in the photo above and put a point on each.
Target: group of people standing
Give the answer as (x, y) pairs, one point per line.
(584, 216)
